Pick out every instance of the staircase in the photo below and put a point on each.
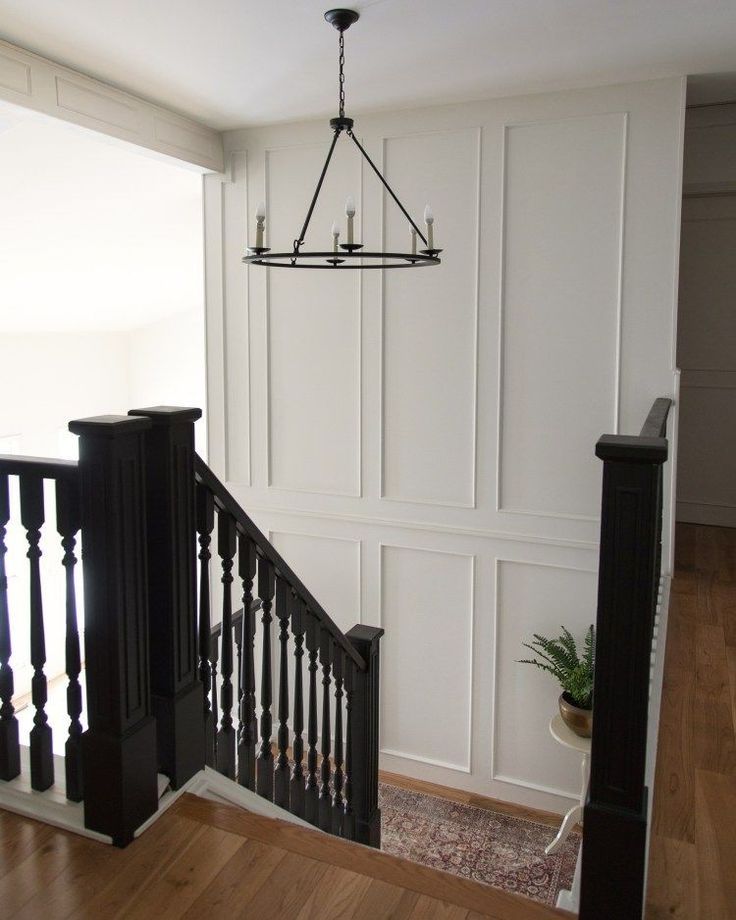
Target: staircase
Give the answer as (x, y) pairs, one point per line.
(171, 682)
(175, 687)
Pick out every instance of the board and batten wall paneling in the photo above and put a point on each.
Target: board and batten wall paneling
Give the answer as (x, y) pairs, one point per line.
(560, 320)
(558, 217)
(428, 403)
(313, 332)
(534, 598)
(427, 612)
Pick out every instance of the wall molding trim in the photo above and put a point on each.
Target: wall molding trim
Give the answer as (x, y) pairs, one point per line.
(34, 82)
(358, 345)
(383, 495)
(495, 776)
(500, 506)
(321, 536)
(432, 526)
(459, 767)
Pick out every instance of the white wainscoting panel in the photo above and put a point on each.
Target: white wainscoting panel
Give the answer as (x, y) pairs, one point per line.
(430, 316)
(36, 83)
(534, 598)
(330, 568)
(314, 332)
(427, 601)
(561, 300)
(15, 75)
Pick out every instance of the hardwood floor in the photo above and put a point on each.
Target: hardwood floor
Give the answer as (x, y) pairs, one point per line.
(692, 869)
(205, 859)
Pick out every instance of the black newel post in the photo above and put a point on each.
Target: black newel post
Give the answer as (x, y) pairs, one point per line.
(176, 691)
(119, 747)
(614, 842)
(363, 754)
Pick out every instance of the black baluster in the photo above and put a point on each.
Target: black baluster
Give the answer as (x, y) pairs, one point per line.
(246, 734)
(32, 516)
(214, 662)
(9, 745)
(325, 798)
(281, 773)
(226, 546)
(298, 616)
(338, 803)
(68, 522)
(311, 793)
(205, 525)
(265, 757)
(348, 821)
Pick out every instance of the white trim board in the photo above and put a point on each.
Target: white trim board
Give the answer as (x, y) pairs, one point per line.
(33, 82)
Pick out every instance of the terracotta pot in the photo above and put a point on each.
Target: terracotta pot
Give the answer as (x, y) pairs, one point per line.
(577, 720)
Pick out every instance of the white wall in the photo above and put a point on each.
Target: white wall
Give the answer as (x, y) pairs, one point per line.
(421, 444)
(50, 379)
(706, 488)
(166, 364)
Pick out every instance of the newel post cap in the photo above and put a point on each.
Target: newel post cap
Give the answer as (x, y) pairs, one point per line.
(108, 426)
(167, 415)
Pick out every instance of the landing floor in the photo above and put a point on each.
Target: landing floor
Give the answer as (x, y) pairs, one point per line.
(692, 872)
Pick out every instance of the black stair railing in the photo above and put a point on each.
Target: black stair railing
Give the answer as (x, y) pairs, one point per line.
(171, 684)
(615, 814)
(285, 622)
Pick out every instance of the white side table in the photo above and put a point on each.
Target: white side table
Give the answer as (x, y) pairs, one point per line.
(567, 738)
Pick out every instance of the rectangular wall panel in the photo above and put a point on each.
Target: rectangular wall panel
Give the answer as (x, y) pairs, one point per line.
(330, 569)
(314, 330)
(426, 679)
(430, 323)
(560, 328)
(535, 598)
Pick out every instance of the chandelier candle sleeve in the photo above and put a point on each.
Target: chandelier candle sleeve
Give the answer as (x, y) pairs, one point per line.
(429, 221)
(350, 212)
(413, 241)
(335, 237)
(260, 223)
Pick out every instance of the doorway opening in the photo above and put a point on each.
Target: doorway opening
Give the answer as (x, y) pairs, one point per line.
(101, 307)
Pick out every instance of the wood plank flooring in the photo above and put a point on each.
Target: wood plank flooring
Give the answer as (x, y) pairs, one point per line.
(692, 869)
(202, 858)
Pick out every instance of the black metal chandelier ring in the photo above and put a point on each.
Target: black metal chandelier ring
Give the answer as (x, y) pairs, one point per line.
(342, 260)
(345, 255)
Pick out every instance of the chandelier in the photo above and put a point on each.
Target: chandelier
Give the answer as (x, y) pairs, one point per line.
(348, 254)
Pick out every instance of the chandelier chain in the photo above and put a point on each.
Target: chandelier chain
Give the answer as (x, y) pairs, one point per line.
(342, 75)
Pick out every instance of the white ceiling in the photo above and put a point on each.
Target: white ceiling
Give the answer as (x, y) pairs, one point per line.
(230, 63)
(93, 236)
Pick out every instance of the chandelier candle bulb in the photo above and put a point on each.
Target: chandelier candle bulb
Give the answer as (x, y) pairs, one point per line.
(429, 221)
(335, 236)
(260, 223)
(350, 212)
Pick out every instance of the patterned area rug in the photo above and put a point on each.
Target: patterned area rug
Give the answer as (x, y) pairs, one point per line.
(500, 850)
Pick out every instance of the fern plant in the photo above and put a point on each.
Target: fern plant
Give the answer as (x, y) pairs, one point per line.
(560, 658)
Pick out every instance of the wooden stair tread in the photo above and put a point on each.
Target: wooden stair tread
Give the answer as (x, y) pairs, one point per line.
(396, 873)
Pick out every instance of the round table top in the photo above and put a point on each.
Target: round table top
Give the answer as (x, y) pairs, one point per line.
(566, 737)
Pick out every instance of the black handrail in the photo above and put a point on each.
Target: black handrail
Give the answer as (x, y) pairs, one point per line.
(216, 630)
(655, 425)
(45, 467)
(225, 501)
